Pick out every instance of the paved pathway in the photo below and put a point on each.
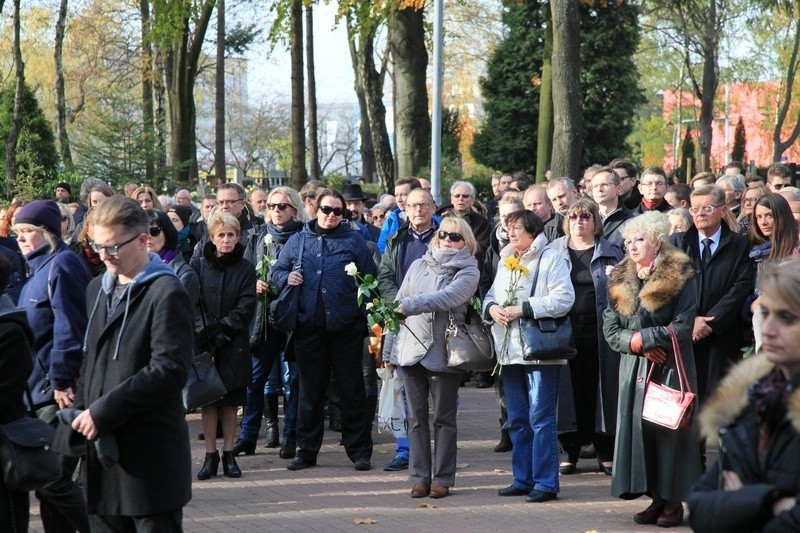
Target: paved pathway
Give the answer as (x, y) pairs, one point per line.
(334, 497)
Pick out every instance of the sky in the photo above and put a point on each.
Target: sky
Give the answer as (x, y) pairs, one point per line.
(334, 72)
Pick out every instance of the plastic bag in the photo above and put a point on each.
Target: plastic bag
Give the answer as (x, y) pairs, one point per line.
(391, 409)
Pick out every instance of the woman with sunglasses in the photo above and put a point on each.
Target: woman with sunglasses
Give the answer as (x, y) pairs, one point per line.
(436, 290)
(227, 303)
(331, 327)
(162, 239)
(286, 216)
(531, 387)
(588, 393)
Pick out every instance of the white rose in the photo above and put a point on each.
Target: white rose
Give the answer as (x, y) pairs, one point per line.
(351, 269)
(369, 305)
(268, 240)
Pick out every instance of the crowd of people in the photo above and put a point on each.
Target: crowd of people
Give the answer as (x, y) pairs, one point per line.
(107, 298)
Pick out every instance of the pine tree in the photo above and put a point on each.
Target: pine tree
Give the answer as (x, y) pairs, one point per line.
(37, 156)
(609, 37)
(739, 143)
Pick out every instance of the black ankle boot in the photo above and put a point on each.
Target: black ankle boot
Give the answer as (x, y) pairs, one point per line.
(229, 466)
(210, 466)
(288, 449)
(271, 415)
(505, 442)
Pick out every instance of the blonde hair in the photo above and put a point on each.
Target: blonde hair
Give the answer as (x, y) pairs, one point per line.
(294, 200)
(652, 223)
(65, 212)
(219, 219)
(782, 280)
(153, 195)
(462, 227)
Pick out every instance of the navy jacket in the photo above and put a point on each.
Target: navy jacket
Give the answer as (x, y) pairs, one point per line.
(54, 299)
(323, 257)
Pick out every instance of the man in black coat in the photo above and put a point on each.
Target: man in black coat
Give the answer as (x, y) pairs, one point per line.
(724, 279)
(137, 357)
(606, 189)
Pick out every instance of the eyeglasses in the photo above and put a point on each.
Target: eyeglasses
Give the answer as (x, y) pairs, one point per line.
(779, 186)
(378, 217)
(461, 196)
(583, 216)
(452, 236)
(337, 211)
(653, 184)
(228, 202)
(421, 205)
(279, 207)
(111, 249)
(706, 209)
(155, 231)
(748, 201)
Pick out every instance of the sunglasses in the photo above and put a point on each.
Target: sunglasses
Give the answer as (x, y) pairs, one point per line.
(583, 216)
(337, 211)
(279, 207)
(378, 217)
(155, 231)
(462, 196)
(452, 236)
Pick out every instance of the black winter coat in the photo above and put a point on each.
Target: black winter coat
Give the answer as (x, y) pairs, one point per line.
(729, 419)
(228, 303)
(16, 359)
(135, 366)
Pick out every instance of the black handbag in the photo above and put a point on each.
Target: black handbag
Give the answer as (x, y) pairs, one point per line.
(546, 339)
(203, 386)
(283, 310)
(469, 346)
(28, 462)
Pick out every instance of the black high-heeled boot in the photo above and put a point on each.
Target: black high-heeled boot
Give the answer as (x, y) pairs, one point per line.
(229, 466)
(271, 414)
(210, 466)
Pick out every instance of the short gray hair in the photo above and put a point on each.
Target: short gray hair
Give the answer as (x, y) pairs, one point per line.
(468, 185)
(734, 181)
(566, 182)
(710, 190)
(654, 224)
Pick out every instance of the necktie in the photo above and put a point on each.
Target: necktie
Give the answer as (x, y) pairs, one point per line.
(706, 257)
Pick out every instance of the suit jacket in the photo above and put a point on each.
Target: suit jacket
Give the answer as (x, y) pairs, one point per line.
(613, 223)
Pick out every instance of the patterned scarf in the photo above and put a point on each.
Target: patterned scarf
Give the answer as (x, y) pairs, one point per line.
(769, 396)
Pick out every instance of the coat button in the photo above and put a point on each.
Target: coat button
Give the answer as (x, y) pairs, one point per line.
(319, 271)
(318, 255)
(324, 290)
(639, 379)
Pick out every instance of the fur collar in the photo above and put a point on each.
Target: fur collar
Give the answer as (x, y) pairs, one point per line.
(672, 271)
(731, 398)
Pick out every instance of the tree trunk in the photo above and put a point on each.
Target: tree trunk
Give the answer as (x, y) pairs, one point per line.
(568, 100)
(780, 146)
(313, 128)
(710, 83)
(181, 73)
(159, 101)
(299, 173)
(367, 151)
(220, 168)
(61, 99)
(413, 124)
(13, 134)
(544, 134)
(147, 92)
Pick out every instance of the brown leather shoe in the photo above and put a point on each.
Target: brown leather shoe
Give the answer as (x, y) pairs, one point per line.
(673, 519)
(420, 491)
(649, 515)
(439, 491)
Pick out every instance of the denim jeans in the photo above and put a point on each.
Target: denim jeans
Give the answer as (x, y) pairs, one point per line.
(531, 400)
(402, 447)
(264, 357)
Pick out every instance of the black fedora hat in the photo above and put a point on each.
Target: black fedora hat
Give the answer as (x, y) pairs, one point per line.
(352, 191)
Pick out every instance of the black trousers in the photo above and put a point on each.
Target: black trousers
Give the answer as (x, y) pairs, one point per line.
(585, 371)
(317, 350)
(14, 510)
(167, 522)
(62, 506)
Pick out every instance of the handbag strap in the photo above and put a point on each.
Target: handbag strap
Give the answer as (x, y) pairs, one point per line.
(536, 272)
(683, 381)
(202, 309)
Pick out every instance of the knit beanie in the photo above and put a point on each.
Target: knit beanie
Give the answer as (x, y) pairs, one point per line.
(44, 213)
(183, 212)
(64, 185)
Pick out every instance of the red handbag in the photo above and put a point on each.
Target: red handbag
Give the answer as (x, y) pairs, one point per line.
(668, 407)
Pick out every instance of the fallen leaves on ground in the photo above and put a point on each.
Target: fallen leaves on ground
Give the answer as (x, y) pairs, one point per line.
(363, 521)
